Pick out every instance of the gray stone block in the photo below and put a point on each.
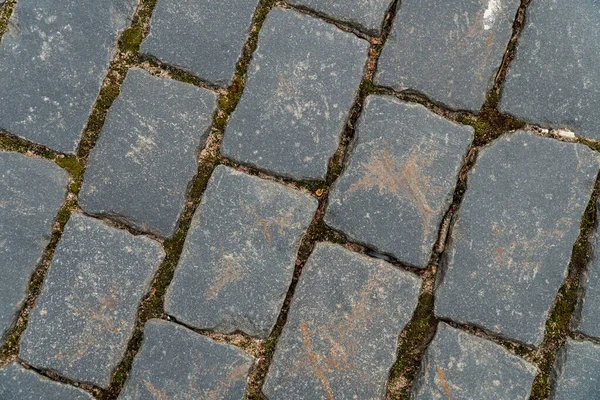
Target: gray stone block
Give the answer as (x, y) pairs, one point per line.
(400, 179)
(53, 60)
(450, 51)
(31, 193)
(302, 82)
(205, 37)
(239, 256)
(177, 363)
(514, 233)
(342, 330)
(86, 313)
(555, 76)
(576, 372)
(458, 365)
(18, 383)
(147, 152)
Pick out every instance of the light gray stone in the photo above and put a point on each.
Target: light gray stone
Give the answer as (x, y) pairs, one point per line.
(449, 51)
(302, 82)
(177, 363)
(458, 365)
(555, 76)
(18, 383)
(577, 372)
(239, 257)
(147, 152)
(205, 37)
(367, 14)
(31, 193)
(514, 233)
(400, 179)
(86, 313)
(53, 60)
(342, 330)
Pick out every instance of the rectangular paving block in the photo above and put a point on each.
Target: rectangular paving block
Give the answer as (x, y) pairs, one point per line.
(18, 383)
(449, 51)
(512, 241)
(31, 194)
(339, 341)
(85, 316)
(147, 152)
(239, 256)
(205, 37)
(555, 76)
(177, 363)
(577, 372)
(53, 59)
(458, 365)
(301, 84)
(400, 179)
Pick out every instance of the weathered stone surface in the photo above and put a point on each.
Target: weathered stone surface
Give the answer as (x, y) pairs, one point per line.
(555, 76)
(302, 82)
(86, 313)
(368, 14)
(205, 37)
(239, 257)
(31, 193)
(177, 363)
(147, 152)
(514, 232)
(577, 366)
(450, 56)
(18, 383)
(400, 179)
(458, 365)
(341, 334)
(53, 60)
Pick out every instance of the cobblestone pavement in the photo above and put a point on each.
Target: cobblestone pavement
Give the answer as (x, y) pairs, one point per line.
(299, 199)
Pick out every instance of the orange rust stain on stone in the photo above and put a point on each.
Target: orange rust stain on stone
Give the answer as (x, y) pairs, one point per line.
(444, 382)
(314, 359)
(231, 271)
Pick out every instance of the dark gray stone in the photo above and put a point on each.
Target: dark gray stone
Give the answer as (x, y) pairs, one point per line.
(512, 240)
(341, 334)
(205, 37)
(86, 313)
(555, 76)
(31, 193)
(367, 14)
(53, 60)
(176, 363)
(400, 179)
(301, 85)
(458, 365)
(239, 257)
(147, 152)
(18, 383)
(577, 369)
(450, 51)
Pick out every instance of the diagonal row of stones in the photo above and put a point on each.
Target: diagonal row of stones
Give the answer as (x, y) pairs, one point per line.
(507, 254)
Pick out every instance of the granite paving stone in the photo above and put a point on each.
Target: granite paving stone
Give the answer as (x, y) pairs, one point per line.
(18, 383)
(301, 84)
(239, 256)
(514, 233)
(367, 14)
(400, 179)
(177, 363)
(577, 372)
(53, 60)
(147, 152)
(205, 37)
(555, 76)
(87, 310)
(450, 56)
(458, 365)
(31, 194)
(342, 330)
